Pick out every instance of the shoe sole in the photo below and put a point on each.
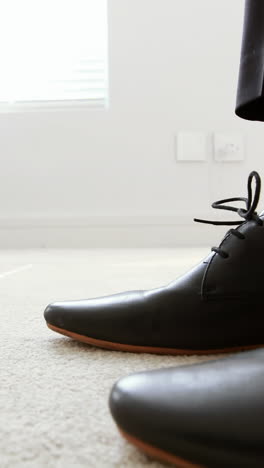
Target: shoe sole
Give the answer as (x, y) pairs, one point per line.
(157, 453)
(145, 349)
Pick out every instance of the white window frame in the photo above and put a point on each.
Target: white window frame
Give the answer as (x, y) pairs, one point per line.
(63, 104)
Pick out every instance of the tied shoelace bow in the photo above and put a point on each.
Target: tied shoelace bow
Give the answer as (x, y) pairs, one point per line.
(248, 214)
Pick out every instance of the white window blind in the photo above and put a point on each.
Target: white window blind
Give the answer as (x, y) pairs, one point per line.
(53, 50)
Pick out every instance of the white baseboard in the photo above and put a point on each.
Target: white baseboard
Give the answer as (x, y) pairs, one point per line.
(106, 231)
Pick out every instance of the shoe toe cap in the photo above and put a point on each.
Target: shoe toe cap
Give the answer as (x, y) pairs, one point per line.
(135, 406)
(116, 318)
(205, 412)
(57, 314)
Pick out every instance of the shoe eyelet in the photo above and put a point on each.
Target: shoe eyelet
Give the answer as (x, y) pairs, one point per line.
(224, 255)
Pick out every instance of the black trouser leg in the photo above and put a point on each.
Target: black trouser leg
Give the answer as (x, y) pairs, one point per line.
(250, 92)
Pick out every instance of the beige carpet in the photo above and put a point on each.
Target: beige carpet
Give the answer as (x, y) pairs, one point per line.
(54, 391)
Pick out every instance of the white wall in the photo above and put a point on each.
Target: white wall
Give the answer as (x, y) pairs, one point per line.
(109, 177)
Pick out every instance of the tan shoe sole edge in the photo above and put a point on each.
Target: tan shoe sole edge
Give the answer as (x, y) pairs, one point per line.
(157, 453)
(145, 349)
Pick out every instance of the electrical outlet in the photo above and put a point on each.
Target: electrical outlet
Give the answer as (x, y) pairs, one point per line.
(229, 147)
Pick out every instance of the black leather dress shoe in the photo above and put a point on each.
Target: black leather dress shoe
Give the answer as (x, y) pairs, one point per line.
(204, 415)
(216, 307)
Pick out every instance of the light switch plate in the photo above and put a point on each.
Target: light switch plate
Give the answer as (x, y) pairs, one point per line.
(191, 146)
(229, 146)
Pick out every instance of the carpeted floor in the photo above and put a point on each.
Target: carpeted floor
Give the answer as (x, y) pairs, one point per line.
(54, 391)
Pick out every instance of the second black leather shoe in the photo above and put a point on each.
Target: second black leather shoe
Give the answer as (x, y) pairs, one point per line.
(216, 307)
(204, 415)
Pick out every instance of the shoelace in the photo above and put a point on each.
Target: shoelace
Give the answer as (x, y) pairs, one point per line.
(248, 214)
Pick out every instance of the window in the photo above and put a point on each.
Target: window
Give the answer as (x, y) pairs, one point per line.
(53, 51)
